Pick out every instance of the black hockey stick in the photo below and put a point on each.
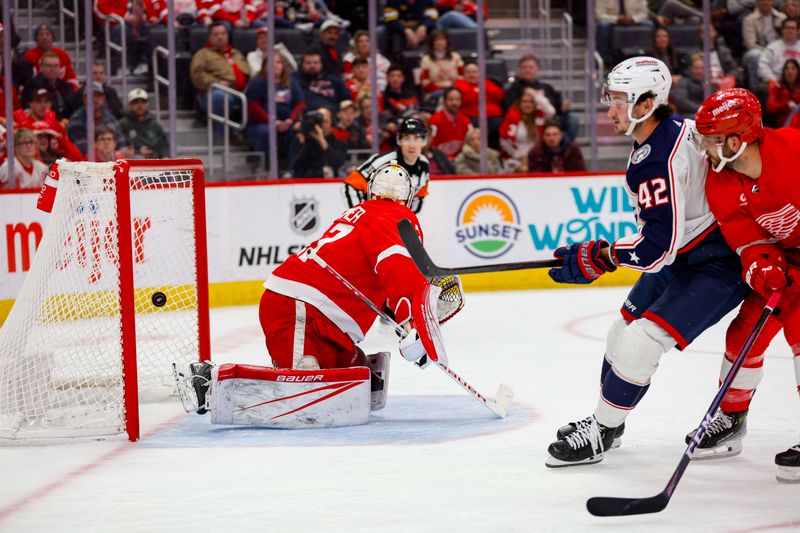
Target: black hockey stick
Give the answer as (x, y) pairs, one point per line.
(607, 506)
(428, 268)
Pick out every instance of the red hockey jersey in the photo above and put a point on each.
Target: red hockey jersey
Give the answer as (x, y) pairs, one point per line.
(364, 246)
(763, 210)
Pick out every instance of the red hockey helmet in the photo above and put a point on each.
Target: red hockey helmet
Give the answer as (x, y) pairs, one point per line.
(731, 112)
(724, 113)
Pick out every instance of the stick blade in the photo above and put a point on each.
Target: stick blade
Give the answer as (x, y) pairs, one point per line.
(415, 249)
(607, 506)
(502, 400)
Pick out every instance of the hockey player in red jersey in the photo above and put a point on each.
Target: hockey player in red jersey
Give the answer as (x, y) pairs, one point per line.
(753, 189)
(363, 245)
(312, 320)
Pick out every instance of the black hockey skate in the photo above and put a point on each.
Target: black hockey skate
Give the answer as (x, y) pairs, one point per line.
(723, 437)
(585, 445)
(788, 465)
(563, 431)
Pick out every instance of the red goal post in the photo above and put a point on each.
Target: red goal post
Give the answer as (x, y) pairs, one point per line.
(118, 290)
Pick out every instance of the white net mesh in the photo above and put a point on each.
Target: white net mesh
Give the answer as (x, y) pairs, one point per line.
(60, 347)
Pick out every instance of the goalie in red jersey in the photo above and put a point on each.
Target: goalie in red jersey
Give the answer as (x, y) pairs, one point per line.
(753, 190)
(312, 320)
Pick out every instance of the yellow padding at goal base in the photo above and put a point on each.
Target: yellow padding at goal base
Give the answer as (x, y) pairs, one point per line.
(97, 304)
(538, 279)
(249, 292)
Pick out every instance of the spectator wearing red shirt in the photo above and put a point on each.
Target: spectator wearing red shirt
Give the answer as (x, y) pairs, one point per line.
(440, 66)
(41, 119)
(450, 125)
(15, 102)
(469, 89)
(231, 13)
(45, 37)
(523, 127)
(784, 94)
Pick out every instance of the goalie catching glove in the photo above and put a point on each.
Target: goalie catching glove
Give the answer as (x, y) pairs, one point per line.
(451, 299)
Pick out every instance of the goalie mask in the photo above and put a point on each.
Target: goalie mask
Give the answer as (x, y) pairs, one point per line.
(636, 77)
(392, 182)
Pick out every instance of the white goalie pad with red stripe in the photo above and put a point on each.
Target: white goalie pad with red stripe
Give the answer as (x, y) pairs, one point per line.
(426, 322)
(252, 395)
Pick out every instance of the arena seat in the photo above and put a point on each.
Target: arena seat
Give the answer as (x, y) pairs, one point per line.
(629, 41)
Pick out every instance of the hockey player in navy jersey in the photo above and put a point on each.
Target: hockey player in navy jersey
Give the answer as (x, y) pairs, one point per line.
(690, 277)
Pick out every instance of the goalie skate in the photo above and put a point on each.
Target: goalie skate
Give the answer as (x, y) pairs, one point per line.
(723, 437)
(570, 428)
(788, 465)
(192, 383)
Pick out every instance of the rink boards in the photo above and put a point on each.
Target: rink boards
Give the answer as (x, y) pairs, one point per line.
(253, 226)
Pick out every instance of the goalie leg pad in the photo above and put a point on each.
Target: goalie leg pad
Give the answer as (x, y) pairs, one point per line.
(291, 399)
(638, 349)
(379, 371)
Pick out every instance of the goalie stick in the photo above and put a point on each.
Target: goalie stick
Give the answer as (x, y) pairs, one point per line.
(609, 506)
(428, 268)
(498, 405)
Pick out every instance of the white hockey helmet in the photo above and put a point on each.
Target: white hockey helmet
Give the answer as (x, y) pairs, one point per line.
(637, 76)
(392, 182)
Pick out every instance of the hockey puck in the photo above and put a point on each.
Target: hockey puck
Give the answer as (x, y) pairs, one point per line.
(159, 299)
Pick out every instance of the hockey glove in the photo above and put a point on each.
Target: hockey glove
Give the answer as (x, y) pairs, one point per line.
(764, 269)
(583, 262)
(411, 349)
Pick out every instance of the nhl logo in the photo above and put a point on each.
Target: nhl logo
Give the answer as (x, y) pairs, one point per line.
(304, 215)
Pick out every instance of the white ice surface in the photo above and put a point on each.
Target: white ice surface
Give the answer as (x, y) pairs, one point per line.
(435, 459)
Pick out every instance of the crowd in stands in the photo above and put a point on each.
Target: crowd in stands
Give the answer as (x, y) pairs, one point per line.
(324, 88)
(323, 93)
(754, 44)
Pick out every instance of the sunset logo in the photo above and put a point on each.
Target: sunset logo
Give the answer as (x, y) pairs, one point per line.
(488, 223)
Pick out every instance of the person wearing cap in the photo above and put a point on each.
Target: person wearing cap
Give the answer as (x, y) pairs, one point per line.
(50, 132)
(412, 135)
(76, 128)
(347, 129)
(330, 44)
(29, 172)
(48, 78)
(113, 101)
(148, 138)
(256, 57)
(44, 37)
(289, 104)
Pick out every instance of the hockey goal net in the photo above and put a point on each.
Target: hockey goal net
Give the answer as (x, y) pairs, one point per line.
(117, 291)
